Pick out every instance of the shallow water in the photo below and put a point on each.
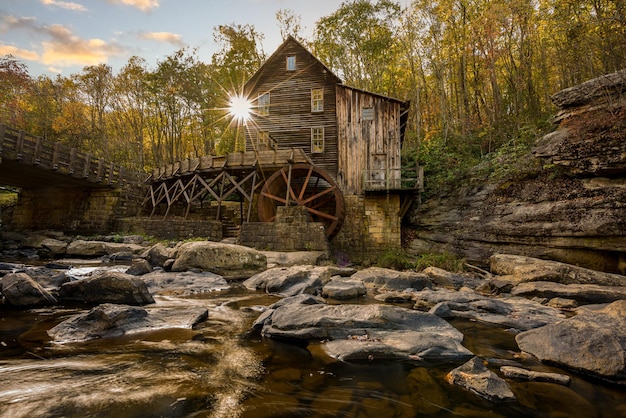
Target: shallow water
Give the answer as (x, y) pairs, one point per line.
(218, 370)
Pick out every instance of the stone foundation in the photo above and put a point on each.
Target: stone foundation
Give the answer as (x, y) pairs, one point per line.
(172, 228)
(72, 210)
(371, 227)
(291, 231)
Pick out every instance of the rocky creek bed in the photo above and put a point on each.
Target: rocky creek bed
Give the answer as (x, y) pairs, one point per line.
(217, 329)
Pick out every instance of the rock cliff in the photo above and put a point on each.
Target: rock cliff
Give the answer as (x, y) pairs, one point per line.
(572, 209)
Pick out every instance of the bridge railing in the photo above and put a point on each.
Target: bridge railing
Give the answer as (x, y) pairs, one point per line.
(20, 146)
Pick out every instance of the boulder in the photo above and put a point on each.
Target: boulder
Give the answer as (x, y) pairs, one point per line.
(515, 312)
(581, 293)
(593, 342)
(444, 278)
(112, 320)
(107, 287)
(139, 268)
(367, 332)
(158, 254)
(290, 281)
(82, 248)
(342, 288)
(19, 289)
(476, 377)
(228, 260)
(184, 283)
(47, 277)
(519, 269)
(388, 279)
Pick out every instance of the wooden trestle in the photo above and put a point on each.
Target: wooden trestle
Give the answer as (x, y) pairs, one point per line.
(196, 179)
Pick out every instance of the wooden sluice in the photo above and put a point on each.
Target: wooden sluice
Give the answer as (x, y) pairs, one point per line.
(195, 180)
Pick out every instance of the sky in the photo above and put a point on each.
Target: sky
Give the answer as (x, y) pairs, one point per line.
(61, 37)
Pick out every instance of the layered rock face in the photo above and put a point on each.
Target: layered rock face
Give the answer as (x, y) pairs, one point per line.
(573, 211)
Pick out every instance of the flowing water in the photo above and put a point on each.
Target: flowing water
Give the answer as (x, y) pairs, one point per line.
(219, 370)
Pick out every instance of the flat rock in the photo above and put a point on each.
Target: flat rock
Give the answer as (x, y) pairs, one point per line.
(519, 269)
(582, 293)
(519, 373)
(388, 279)
(342, 288)
(295, 258)
(228, 260)
(367, 332)
(108, 287)
(82, 248)
(184, 283)
(592, 342)
(113, 320)
(290, 281)
(19, 289)
(515, 312)
(476, 377)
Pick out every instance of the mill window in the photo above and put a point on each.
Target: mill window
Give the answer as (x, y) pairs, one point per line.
(317, 140)
(264, 104)
(317, 100)
(291, 63)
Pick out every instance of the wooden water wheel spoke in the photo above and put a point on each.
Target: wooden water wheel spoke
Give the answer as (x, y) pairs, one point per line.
(306, 182)
(320, 194)
(309, 187)
(290, 184)
(271, 196)
(322, 214)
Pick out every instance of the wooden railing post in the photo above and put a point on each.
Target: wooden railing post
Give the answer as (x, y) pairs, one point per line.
(55, 155)
(3, 130)
(87, 166)
(72, 162)
(20, 145)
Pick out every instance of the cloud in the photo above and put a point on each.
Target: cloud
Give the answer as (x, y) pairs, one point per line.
(65, 49)
(18, 52)
(143, 5)
(167, 37)
(65, 5)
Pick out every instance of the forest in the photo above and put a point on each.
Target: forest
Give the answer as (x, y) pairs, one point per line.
(478, 73)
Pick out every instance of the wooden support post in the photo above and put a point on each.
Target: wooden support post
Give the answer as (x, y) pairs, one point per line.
(37, 153)
(111, 168)
(87, 166)
(288, 185)
(100, 170)
(20, 145)
(251, 196)
(219, 202)
(72, 162)
(55, 156)
(3, 130)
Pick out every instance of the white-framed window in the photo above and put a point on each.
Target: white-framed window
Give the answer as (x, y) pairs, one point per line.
(317, 100)
(291, 63)
(317, 140)
(263, 105)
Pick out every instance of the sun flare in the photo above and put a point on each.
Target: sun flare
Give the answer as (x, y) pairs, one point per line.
(239, 108)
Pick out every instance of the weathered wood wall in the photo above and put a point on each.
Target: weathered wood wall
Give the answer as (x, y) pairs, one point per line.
(290, 117)
(366, 148)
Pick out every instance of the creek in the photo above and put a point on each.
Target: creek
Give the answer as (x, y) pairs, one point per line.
(219, 370)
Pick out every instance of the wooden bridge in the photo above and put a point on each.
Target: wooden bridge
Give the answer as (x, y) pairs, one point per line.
(29, 161)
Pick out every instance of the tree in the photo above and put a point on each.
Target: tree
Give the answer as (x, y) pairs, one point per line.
(15, 84)
(358, 42)
(289, 24)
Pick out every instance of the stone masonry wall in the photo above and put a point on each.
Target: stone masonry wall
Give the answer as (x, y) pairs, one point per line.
(291, 231)
(172, 228)
(371, 227)
(73, 210)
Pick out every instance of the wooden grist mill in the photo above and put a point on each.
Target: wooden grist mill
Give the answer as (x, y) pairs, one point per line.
(311, 142)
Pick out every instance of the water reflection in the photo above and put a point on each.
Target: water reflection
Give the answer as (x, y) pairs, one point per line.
(219, 370)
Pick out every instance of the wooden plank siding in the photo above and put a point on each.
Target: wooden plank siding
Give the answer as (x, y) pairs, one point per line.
(290, 117)
(367, 148)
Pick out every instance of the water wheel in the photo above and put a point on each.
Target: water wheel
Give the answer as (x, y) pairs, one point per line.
(304, 185)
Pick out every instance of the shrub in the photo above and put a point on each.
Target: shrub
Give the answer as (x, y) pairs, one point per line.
(395, 259)
(447, 262)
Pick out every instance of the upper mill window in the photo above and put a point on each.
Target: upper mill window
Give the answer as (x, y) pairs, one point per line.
(317, 100)
(264, 105)
(291, 63)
